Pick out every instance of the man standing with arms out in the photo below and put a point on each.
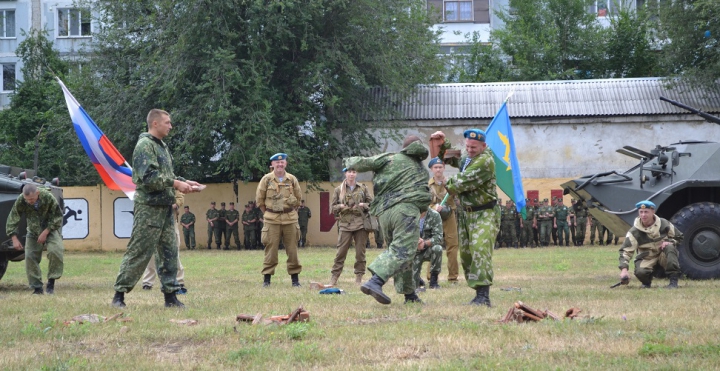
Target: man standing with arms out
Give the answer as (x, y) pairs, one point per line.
(401, 194)
(153, 217)
(655, 240)
(277, 195)
(232, 217)
(248, 221)
(350, 204)
(560, 222)
(44, 220)
(479, 216)
(304, 216)
(222, 227)
(188, 223)
(449, 224)
(212, 216)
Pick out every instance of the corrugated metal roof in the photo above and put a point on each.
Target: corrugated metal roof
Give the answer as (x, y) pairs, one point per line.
(607, 97)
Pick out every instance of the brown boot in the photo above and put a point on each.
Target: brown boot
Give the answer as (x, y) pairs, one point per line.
(334, 279)
(358, 279)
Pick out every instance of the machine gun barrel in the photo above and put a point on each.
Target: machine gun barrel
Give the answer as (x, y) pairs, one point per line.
(702, 114)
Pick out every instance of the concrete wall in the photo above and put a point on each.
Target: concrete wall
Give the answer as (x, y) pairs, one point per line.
(101, 221)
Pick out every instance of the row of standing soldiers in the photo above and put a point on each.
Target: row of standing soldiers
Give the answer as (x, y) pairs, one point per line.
(225, 224)
(545, 222)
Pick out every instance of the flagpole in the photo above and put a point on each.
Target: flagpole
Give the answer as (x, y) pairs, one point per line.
(509, 95)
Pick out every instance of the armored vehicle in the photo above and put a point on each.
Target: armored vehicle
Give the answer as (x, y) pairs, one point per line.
(12, 181)
(682, 179)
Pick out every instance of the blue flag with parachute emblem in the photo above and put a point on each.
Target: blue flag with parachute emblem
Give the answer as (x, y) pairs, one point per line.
(499, 138)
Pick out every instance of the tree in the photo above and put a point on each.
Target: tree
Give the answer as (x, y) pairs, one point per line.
(479, 62)
(244, 79)
(629, 46)
(551, 39)
(36, 131)
(689, 31)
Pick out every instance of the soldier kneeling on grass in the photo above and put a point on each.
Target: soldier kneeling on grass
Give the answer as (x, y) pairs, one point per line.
(655, 240)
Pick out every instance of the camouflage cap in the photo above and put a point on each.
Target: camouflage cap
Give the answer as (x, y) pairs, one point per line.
(222, 204)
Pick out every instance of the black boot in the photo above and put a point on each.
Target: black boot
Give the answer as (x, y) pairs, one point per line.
(266, 280)
(482, 296)
(118, 300)
(295, 280)
(373, 287)
(50, 287)
(171, 301)
(673, 282)
(38, 291)
(412, 299)
(434, 281)
(646, 285)
(421, 283)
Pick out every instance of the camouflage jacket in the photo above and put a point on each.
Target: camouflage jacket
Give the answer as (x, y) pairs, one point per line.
(647, 239)
(508, 215)
(399, 177)
(544, 211)
(432, 228)
(188, 218)
(352, 217)
(581, 213)
(561, 213)
(279, 197)
(153, 172)
(47, 216)
(476, 185)
(249, 217)
(530, 213)
(212, 214)
(231, 216)
(304, 215)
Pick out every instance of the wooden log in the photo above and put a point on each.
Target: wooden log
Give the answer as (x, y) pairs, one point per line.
(244, 318)
(534, 312)
(257, 319)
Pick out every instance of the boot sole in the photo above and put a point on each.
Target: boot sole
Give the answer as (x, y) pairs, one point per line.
(379, 296)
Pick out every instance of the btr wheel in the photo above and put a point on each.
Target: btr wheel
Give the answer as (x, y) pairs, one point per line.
(699, 252)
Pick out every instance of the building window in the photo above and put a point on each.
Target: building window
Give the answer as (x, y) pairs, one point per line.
(7, 23)
(74, 23)
(8, 76)
(458, 11)
(605, 8)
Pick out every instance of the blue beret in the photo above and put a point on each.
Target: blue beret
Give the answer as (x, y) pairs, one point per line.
(475, 134)
(279, 156)
(344, 169)
(435, 161)
(645, 205)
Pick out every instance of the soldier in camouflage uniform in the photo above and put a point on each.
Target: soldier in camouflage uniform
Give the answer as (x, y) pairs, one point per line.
(258, 224)
(528, 224)
(401, 194)
(153, 218)
(232, 219)
(379, 238)
(507, 217)
(304, 216)
(572, 221)
(499, 237)
(655, 240)
(222, 227)
(188, 223)
(545, 218)
(479, 215)
(350, 204)
(449, 225)
(554, 233)
(212, 216)
(560, 221)
(595, 226)
(277, 196)
(429, 249)
(536, 224)
(581, 217)
(148, 277)
(44, 222)
(249, 225)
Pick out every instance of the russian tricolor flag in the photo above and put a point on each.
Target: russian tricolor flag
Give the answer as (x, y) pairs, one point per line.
(110, 164)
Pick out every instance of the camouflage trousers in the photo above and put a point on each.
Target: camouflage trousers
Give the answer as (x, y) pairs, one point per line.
(580, 230)
(213, 231)
(189, 235)
(153, 233)
(545, 231)
(477, 232)
(33, 256)
(232, 232)
(148, 278)
(303, 234)
(595, 226)
(401, 232)
(563, 232)
(432, 255)
(250, 239)
(509, 234)
(647, 259)
(526, 234)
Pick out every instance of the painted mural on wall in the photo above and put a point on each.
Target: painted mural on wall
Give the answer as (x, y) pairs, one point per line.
(75, 219)
(122, 217)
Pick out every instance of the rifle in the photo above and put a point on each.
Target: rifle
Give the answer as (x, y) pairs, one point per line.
(702, 114)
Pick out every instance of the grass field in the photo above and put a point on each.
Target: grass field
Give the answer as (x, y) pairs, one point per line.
(623, 328)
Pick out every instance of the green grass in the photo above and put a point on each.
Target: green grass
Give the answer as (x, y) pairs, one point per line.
(623, 328)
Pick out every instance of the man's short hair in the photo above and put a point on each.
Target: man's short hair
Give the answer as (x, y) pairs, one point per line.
(154, 115)
(186, 207)
(29, 189)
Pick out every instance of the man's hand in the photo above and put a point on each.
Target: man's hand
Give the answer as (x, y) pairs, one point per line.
(663, 244)
(43, 237)
(212, 224)
(421, 244)
(438, 135)
(182, 186)
(438, 208)
(624, 278)
(16, 243)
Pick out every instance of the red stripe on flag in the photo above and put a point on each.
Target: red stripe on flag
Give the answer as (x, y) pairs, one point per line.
(111, 151)
(109, 182)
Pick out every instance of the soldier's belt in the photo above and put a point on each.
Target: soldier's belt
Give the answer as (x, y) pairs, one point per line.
(284, 211)
(489, 205)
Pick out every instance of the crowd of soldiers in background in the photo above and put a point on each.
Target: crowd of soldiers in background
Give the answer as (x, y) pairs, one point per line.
(543, 223)
(224, 225)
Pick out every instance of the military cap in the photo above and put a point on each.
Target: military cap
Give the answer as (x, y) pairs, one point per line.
(232, 203)
(545, 200)
(645, 205)
(535, 199)
(279, 156)
(527, 200)
(212, 202)
(475, 134)
(186, 207)
(222, 204)
(435, 161)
